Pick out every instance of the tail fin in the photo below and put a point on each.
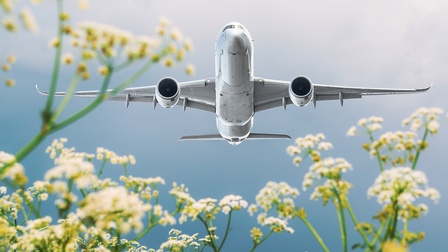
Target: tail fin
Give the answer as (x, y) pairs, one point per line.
(252, 136)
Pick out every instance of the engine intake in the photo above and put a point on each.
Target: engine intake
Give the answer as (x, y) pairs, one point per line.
(301, 91)
(167, 92)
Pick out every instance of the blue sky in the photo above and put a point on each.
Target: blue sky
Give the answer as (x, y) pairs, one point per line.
(355, 43)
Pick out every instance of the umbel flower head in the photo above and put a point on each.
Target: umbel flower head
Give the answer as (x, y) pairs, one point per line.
(109, 209)
(401, 187)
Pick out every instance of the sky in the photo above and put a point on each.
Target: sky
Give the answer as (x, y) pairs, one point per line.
(394, 44)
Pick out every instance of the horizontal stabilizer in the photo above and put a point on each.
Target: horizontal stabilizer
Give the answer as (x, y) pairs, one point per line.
(203, 137)
(252, 136)
(267, 136)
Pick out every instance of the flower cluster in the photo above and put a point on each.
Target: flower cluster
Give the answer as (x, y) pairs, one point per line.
(6, 67)
(401, 187)
(424, 118)
(40, 235)
(181, 196)
(207, 207)
(277, 196)
(109, 156)
(232, 202)
(179, 242)
(310, 145)
(109, 209)
(16, 172)
(277, 225)
(13, 17)
(115, 48)
(399, 147)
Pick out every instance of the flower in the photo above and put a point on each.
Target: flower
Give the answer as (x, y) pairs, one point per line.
(179, 242)
(16, 172)
(277, 225)
(28, 20)
(424, 117)
(232, 202)
(206, 206)
(402, 186)
(67, 59)
(109, 209)
(278, 196)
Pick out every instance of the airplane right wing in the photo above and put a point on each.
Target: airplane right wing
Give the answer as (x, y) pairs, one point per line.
(274, 93)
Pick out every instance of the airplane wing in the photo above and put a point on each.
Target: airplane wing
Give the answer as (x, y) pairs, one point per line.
(198, 94)
(273, 93)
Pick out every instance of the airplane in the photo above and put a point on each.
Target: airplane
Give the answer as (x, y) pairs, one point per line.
(234, 95)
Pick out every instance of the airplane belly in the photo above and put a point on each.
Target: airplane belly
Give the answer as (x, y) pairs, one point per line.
(234, 105)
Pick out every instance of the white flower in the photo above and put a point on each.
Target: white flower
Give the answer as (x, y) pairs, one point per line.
(405, 185)
(278, 225)
(2, 190)
(232, 202)
(113, 207)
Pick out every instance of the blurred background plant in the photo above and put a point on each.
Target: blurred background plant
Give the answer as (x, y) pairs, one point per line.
(91, 43)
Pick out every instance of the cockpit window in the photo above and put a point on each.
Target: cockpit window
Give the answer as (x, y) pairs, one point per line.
(233, 26)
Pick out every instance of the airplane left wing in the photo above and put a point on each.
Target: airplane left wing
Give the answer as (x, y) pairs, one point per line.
(198, 94)
(273, 93)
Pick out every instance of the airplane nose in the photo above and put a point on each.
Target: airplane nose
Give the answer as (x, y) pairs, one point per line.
(236, 45)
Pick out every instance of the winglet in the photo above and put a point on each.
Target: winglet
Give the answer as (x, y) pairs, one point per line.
(40, 91)
(425, 88)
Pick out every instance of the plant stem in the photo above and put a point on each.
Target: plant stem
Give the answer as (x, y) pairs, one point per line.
(256, 244)
(417, 155)
(341, 220)
(143, 233)
(57, 64)
(378, 233)
(227, 230)
(66, 99)
(212, 240)
(378, 157)
(356, 223)
(394, 223)
(24, 151)
(316, 235)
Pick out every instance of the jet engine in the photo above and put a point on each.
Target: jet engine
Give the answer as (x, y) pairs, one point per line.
(301, 91)
(167, 92)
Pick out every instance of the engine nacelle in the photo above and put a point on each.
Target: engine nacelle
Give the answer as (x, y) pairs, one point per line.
(301, 91)
(167, 92)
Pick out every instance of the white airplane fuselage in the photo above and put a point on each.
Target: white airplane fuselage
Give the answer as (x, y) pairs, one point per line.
(234, 83)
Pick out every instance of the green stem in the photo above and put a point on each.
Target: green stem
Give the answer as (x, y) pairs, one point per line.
(227, 230)
(394, 223)
(256, 244)
(31, 145)
(66, 99)
(83, 112)
(341, 220)
(378, 233)
(356, 223)
(212, 239)
(101, 168)
(378, 157)
(143, 233)
(425, 135)
(56, 66)
(103, 96)
(30, 206)
(316, 235)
